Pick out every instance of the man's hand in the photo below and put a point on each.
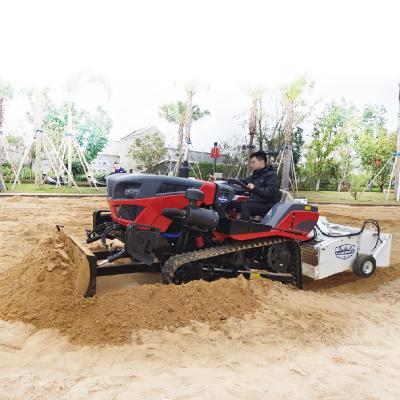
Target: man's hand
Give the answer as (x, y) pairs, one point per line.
(250, 186)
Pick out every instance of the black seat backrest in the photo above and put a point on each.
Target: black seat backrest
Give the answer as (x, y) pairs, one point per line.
(280, 210)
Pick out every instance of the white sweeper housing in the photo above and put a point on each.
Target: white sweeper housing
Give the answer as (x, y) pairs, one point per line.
(337, 248)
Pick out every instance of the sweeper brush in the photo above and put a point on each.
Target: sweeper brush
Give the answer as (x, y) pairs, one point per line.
(184, 229)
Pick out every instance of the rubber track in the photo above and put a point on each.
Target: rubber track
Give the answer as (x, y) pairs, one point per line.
(175, 262)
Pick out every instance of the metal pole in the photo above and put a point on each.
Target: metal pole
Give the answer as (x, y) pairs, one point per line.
(2, 182)
(69, 142)
(38, 159)
(390, 181)
(24, 157)
(287, 156)
(397, 158)
(380, 171)
(63, 148)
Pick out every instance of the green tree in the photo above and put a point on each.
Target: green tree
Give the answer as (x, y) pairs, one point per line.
(374, 145)
(346, 154)
(92, 129)
(175, 113)
(6, 92)
(374, 152)
(148, 151)
(292, 97)
(15, 145)
(328, 134)
(373, 118)
(298, 143)
(357, 185)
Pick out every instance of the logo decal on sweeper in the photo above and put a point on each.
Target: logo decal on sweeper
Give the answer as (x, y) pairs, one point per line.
(345, 251)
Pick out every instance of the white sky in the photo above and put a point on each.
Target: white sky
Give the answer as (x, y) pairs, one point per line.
(147, 50)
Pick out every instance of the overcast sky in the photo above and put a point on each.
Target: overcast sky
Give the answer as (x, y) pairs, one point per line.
(147, 51)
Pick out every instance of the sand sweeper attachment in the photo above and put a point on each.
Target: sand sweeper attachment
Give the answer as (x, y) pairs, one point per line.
(185, 229)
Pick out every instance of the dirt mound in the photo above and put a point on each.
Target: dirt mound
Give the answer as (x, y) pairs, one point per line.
(40, 290)
(348, 282)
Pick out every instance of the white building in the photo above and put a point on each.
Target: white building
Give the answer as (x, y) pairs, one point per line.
(126, 141)
(118, 151)
(103, 163)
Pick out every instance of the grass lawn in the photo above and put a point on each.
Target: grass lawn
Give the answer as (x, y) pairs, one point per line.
(334, 197)
(30, 188)
(345, 197)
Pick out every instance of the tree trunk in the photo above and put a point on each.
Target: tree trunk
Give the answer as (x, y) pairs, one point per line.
(180, 137)
(188, 113)
(252, 131)
(182, 163)
(69, 144)
(288, 130)
(397, 158)
(2, 183)
(38, 125)
(317, 184)
(259, 120)
(1, 111)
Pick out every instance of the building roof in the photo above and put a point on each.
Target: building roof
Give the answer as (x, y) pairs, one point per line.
(139, 132)
(194, 156)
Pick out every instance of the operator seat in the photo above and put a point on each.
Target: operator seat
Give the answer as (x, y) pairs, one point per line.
(285, 198)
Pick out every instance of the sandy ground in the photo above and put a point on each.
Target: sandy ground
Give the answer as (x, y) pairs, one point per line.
(339, 339)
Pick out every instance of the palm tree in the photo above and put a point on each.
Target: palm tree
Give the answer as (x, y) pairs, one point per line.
(72, 87)
(256, 94)
(175, 113)
(6, 92)
(38, 126)
(291, 95)
(397, 158)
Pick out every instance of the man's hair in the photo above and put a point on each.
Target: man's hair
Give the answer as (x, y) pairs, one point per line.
(260, 155)
(116, 162)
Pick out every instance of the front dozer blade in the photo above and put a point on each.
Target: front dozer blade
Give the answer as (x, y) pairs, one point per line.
(92, 264)
(84, 260)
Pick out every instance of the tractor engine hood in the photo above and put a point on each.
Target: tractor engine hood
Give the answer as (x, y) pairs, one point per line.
(131, 186)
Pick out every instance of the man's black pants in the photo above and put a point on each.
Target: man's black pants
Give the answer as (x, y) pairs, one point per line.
(250, 208)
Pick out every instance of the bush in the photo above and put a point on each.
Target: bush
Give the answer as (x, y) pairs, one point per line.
(206, 169)
(357, 185)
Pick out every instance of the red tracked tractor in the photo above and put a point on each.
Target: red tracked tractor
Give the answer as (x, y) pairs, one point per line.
(183, 228)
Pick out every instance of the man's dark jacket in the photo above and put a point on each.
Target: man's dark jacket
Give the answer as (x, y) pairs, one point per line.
(266, 185)
(120, 170)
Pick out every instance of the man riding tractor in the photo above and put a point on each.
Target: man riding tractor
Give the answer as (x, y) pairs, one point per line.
(263, 186)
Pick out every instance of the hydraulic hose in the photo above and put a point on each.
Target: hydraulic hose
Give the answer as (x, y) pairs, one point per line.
(365, 223)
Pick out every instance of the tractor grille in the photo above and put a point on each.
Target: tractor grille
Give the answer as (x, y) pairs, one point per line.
(129, 212)
(171, 188)
(124, 190)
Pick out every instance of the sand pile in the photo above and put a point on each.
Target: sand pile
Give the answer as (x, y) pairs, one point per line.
(40, 291)
(336, 341)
